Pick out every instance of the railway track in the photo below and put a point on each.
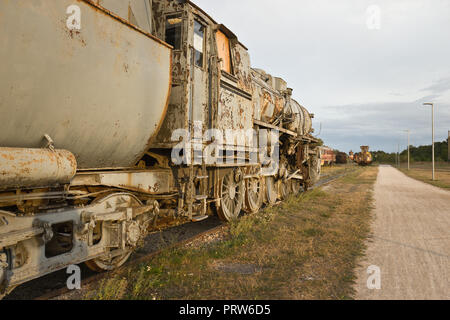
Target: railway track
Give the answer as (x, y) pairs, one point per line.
(54, 285)
(332, 177)
(100, 276)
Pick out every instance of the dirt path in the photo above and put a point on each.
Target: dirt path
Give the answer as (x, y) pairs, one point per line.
(411, 240)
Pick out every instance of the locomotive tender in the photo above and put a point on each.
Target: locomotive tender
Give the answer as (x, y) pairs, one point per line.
(93, 97)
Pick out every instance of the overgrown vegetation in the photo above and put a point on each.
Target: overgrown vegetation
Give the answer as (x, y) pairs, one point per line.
(337, 169)
(305, 248)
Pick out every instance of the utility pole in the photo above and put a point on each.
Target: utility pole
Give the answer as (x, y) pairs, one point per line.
(398, 155)
(408, 131)
(432, 135)
(396, 159)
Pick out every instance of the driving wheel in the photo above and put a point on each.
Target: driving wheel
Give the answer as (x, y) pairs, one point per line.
(253, 196)
(232, 191)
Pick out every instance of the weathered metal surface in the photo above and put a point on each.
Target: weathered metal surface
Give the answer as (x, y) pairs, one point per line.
(272, 103)
(300, 119)
(242, 66)
(27, 168)
(100, 92)
(267, 102)
(149, 182)
(178, 108)
(235, 109)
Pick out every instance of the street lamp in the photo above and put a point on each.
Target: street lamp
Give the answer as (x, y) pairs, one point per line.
(408, 131)
(432, 125)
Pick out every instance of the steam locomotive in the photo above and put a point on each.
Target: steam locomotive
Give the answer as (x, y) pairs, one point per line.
(124, 117)
(363, 158)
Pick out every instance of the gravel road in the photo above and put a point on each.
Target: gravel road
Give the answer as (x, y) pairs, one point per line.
(410, 241)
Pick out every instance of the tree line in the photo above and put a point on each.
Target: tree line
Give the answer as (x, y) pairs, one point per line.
(417, 154)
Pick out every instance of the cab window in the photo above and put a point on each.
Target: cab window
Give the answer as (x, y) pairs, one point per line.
(199, 39)
(174, 26)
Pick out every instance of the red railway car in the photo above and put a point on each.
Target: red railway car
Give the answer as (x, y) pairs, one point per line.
(327, 156)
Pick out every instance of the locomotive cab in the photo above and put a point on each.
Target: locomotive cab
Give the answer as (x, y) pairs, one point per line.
(207, 58)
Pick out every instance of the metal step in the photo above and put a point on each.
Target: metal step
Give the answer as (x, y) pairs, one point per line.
(199, 218)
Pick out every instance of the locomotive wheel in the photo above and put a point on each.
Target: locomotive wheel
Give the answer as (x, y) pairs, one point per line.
(119, 200)
(271, 191)
(295, 186)
(232, 197)
(314, 171)
(101, 265)
(253, 196)
(284, 189)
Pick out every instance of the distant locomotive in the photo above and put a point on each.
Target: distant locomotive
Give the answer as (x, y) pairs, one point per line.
(108, 125)
(363, 158)
(341, 158)
(351, 156)
(327, 156)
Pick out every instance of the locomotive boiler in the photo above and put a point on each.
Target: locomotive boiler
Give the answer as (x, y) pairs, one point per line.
(111, 113)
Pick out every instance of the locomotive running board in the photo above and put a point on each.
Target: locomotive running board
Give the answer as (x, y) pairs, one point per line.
(145, 181)
(308, 139)
(271, 126)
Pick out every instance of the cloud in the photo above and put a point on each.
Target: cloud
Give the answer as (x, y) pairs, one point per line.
(381, 125)
(439, 87)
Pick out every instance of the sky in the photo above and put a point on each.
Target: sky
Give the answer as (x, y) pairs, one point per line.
(364, 68)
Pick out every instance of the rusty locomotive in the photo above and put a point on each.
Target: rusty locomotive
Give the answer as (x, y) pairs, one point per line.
(363, 158)
(341, 158)
(92, 94)
(351, 155)
(327, 156)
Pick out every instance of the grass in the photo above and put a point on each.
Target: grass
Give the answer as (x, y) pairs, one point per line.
(422, 171)
(337, 169)
(305, 248)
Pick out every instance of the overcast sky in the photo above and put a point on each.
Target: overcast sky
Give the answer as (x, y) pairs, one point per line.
(364, 75)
